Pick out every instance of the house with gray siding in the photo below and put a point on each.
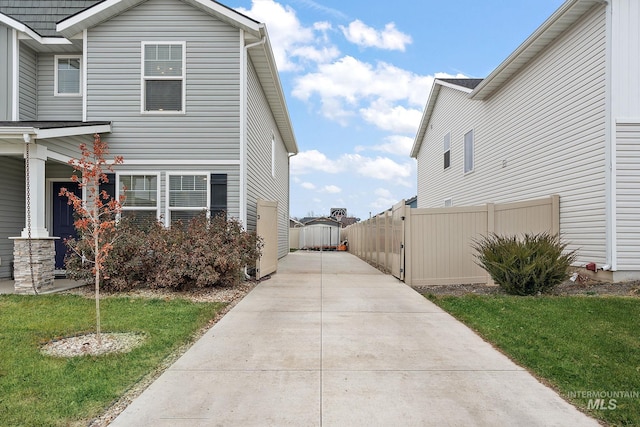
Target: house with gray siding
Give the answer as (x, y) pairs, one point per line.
(186, 91)
(561, 115)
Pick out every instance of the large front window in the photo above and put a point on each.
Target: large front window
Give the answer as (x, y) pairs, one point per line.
(142, 196)
(188, 196)
(163, 72)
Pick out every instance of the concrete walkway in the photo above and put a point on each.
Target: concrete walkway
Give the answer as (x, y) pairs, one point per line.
(330, 341)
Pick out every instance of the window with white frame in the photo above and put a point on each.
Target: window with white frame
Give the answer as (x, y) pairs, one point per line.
(163, 75)
(468, 152)
(141, 193)
(447, 150)
(68, 75)
(448, 202)
(188, 196)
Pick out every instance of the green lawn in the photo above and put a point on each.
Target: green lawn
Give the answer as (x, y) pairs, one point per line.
(585, 347)
(39, 390)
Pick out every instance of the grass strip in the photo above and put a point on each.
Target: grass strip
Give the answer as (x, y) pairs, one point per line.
(39, 390)
(587, 348)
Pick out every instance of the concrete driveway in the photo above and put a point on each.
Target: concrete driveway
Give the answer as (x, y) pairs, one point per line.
(331, 341)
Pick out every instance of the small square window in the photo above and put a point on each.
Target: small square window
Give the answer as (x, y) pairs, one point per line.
(68, 75)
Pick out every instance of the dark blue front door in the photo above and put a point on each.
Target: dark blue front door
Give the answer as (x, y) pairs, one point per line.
(63, 219)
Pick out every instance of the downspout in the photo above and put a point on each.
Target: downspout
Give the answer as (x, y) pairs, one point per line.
(243, 123)
(85, 49)
(610, 144)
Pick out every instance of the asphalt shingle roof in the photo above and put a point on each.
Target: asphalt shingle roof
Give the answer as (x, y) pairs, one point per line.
(468, 83)
(42, 15)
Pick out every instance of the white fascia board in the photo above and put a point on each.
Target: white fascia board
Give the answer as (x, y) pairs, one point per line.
(106, 9)
(228, 15)
(72, 131)
(17, 132)
(453, 86)
(564, 17)
(28, 34)
(75, 24)
(426, 116)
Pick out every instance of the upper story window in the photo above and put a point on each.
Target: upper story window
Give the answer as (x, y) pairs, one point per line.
(163, 75)
(447, 150)
(468, 152)
(68, 74)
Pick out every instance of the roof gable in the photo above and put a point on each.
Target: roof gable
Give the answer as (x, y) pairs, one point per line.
(561, 20)
(462, 85)
(480, 89)
(104, 10)
(41, 16)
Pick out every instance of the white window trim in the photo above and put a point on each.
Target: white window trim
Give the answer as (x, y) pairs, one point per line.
(139, 208)
(183, 79)
(445, 151)
(448, 202)
(168, 209)
(56, 58)
(464, 152)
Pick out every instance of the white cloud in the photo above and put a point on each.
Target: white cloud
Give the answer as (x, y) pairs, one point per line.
(290, 39)
(396, 144)
(392, 118)
(390, 38)
(331, 189)
(382, 168)
(312, 160)
(308, 186)
(384, 95)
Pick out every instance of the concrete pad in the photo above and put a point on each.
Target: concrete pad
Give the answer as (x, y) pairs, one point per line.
(326, 341)
(227, 398)
(340, 280)
(281, 298)
(394, 299)
(405, 341)
(259, 340)
(442, 398)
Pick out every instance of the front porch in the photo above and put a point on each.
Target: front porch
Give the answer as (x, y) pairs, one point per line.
(7, 286)
(34, 220)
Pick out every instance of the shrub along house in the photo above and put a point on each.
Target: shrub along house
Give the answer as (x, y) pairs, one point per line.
(561, 115)
(187, 91)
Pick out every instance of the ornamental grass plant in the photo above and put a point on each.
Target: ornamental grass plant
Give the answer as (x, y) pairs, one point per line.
(531, 265)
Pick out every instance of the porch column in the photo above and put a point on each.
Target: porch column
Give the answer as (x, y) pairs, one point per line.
(34, 259)
(36, 194)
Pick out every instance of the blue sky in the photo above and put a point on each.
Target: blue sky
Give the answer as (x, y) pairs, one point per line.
(357, 74)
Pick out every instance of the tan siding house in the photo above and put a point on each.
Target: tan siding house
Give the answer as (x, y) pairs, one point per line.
(545, 122)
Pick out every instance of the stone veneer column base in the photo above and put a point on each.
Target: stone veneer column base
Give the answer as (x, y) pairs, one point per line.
(43, 258)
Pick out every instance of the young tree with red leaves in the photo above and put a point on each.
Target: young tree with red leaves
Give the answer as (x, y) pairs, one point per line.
(96, 216)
